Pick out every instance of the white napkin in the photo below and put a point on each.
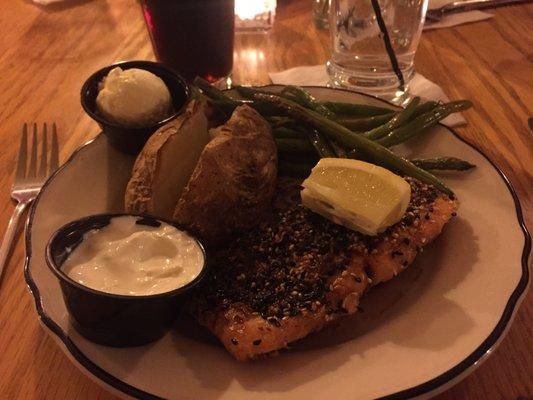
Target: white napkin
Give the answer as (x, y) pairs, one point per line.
(316, 75)
(454, 19)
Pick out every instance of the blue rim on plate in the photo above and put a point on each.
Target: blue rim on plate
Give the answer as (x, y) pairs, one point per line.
(471, 360)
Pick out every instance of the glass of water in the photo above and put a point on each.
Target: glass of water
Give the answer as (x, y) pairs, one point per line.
(321, 13)
(374, 44)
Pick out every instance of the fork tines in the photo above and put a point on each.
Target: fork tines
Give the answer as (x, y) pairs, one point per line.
(49, 160)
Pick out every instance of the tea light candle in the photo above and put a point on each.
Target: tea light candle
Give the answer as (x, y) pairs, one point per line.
(254, 15)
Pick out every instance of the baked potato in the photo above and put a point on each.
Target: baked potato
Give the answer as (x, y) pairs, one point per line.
(166, 163)
(212, 182)
(234, 180)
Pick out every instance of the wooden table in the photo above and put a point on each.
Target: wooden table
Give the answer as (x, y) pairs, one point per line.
(48, 52)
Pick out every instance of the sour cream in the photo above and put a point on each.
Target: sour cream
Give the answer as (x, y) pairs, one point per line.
(128, 258)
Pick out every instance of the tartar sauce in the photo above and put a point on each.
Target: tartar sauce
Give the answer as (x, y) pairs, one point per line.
(135, 259)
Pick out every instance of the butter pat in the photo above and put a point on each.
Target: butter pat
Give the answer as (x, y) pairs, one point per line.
(133, 98)
(358, 195)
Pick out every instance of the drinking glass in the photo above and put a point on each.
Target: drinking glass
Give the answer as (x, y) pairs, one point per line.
(321, 13)
(193, 37)
(374, 44)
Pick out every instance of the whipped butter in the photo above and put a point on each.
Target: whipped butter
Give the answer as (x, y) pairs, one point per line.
(134, 97)
(135, 259)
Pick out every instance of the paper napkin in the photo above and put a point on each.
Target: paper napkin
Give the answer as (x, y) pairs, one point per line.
(454, 19)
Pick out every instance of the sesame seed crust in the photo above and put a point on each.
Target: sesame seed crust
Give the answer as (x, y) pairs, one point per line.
(299, 262)
(297, 272)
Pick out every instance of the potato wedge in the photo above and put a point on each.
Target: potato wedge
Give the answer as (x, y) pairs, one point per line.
(234, 180)
(166, 163)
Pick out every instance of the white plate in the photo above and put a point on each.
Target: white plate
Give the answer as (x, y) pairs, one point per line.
(418, 334)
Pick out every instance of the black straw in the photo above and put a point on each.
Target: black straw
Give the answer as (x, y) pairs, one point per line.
(388, 45)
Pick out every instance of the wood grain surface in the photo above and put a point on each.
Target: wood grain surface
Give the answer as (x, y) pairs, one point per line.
(47, 53)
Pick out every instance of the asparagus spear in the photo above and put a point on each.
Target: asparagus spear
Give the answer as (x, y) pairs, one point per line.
(347, 138)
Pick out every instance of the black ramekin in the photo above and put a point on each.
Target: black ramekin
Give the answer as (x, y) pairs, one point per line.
(112, 319)
(127, 139)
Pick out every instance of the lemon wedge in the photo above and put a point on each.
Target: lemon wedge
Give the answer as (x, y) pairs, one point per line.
(356, 194)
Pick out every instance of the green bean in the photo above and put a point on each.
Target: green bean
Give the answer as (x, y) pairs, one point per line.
(295, 146)
(364, 124)
(355, 110)
(354, 124)
(227, 106)
(249, 92)
(279, 121)
(354, 154)
(305, 99)
(287, 133)
(290, 168)
(379, 154)
(443, 164)
(399, 119)
(211, 91)
(197, 93)
(307, 158)
(231, 105)
(424, 108)
(339, 151)
(264, 108)
(320, 144)
(423, 122)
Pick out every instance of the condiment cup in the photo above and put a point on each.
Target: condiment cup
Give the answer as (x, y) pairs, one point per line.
(127, 139)
(112, 319)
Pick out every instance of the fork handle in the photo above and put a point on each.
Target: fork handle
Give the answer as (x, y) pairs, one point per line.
(11, 231)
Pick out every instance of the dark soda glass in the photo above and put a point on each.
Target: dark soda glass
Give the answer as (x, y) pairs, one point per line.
(193, 37)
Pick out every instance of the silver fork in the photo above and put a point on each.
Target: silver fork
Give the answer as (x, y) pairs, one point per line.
(29, 180)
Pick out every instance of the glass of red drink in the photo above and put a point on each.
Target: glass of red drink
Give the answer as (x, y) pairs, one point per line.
(193, 37)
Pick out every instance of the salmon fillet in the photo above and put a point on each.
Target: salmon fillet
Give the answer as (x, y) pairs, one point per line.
(297, 271)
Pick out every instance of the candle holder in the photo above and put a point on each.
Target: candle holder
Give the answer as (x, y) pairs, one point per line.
(254, 15)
